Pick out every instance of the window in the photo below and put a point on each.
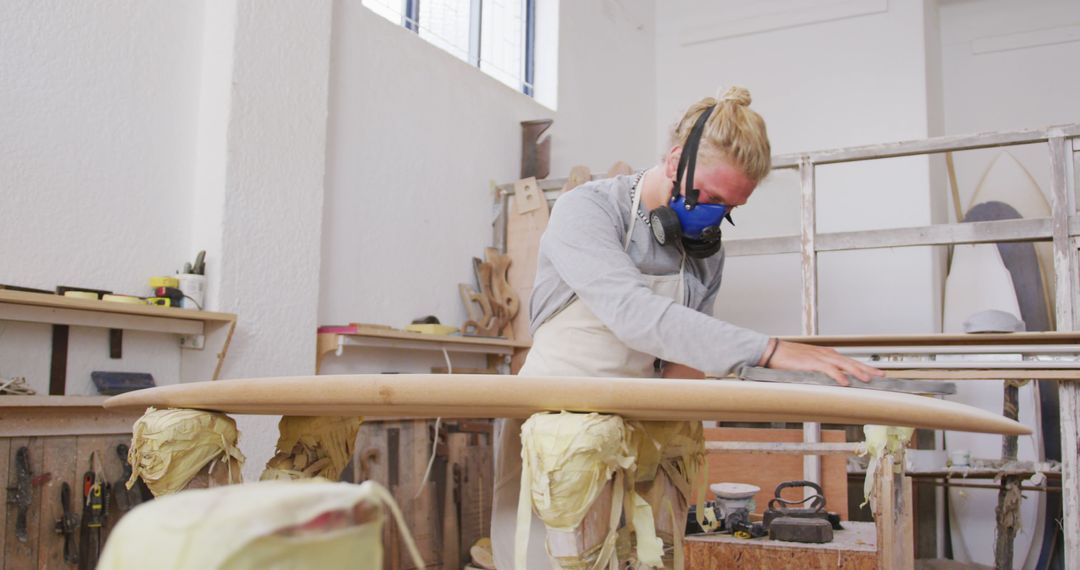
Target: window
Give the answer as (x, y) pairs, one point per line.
(497, 36)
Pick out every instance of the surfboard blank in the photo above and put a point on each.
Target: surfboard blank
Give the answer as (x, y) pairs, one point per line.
(487, 396)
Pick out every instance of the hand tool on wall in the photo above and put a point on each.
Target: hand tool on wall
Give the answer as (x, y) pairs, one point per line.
(95, 511)
(22, 493)
(535, 148)
(126, 499)
(113, 383)
(66, 525)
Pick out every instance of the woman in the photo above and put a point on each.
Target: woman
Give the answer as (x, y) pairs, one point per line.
(628, 272)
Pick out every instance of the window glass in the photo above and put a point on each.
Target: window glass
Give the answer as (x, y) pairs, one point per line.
(502, 40)
(493, 35)
(445, 23)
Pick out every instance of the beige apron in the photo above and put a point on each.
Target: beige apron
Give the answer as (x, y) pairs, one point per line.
(572, 343)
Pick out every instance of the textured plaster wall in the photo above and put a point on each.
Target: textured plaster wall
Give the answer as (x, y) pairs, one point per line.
(274, 176)
(823, 74)
(136, 133)
(99, 114)
(98, 119)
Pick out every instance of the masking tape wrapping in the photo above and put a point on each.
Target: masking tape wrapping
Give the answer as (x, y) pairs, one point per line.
(567, 459)
(271, 524)
(879, 441)
(677, 448)
(170, 447)
(312, 446)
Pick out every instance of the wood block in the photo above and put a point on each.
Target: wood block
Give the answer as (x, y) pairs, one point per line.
(852, 549)
(892, 516)
(59, 460)
(523, 231)
(769, 470)
(527, 196)
(19, 555)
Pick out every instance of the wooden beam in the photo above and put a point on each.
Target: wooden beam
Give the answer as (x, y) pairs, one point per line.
(808, 251)
(874, 151)
(941, 339)
(1002, 231)
(986, 374)
(785, 448)
(1062, 196)
(925, 146)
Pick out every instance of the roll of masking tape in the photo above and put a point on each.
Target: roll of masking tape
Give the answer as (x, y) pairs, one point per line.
(156, 282)
(124, 299)
(81, 295)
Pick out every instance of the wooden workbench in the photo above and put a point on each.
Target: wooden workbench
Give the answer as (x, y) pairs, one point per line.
(854, 548)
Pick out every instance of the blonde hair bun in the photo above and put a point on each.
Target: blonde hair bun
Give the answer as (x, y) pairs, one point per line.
(737, 94)
(733, 131)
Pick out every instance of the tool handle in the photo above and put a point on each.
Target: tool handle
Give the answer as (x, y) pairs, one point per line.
(816, 501)
(779, 505)
(795, 485)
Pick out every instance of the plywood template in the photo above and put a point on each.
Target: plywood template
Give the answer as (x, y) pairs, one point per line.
(523, 231)
(492, 395)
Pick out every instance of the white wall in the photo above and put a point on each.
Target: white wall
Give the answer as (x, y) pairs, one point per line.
(607, 85)
(135, 134)
(417, 136)
(1008, 64)
(99, 115)
(824, 74)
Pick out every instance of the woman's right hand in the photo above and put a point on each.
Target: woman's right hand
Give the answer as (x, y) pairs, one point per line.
(811, 358)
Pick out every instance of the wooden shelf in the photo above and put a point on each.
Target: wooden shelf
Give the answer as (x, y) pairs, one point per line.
(27, 416)
(58, 310)
(337, 342)
(55, 309)
(37, 401)
(940, 339)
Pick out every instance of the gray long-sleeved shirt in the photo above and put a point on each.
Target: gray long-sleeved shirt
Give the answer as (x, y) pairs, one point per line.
(581, 255)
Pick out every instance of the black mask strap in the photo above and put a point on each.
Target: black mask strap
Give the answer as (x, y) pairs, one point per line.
(688, 160)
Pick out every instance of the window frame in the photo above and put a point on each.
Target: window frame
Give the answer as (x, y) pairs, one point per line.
(410, 20)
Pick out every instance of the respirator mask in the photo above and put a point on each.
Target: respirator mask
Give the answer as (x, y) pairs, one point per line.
(683, 219)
